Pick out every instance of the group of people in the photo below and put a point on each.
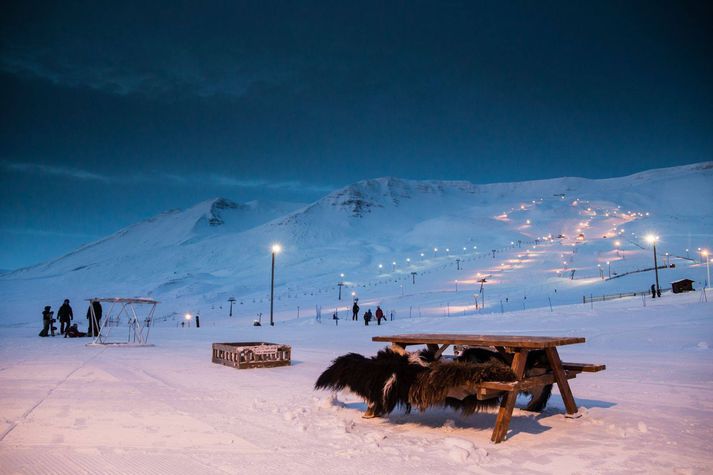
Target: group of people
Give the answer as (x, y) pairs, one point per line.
(66, 315)
(368, 316)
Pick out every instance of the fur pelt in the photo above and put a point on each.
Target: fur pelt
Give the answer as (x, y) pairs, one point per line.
(383, 380)
(536, 364)
(389, 380)
(434, 386)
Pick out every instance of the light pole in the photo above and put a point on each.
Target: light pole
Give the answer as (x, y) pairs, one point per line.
(340, 284)
(708, 269)
(275, 250)
(232, 301)
(652, 239)
(609, 266)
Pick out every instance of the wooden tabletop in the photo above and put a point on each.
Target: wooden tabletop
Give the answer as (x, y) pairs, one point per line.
(516, 341)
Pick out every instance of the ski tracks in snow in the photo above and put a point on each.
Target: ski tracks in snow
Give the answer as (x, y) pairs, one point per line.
(29, 411)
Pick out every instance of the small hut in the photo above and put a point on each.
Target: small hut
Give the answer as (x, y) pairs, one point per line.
(683, 285)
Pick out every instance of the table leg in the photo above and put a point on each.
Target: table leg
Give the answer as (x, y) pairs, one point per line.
(561, 378)
(508, 403)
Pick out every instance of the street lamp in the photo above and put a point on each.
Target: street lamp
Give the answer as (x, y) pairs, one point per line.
(609, 266)
(341, 284)
(652, 240)
(708, 269)
(188, 319)
(276, 248)
(232, 301)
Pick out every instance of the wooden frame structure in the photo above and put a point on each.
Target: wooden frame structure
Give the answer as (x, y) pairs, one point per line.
(518, 347)
(244, 355)
(120, 306)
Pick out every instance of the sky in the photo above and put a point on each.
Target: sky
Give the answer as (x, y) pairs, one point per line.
(111, 112)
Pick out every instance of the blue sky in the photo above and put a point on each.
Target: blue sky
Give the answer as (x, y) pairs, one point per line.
(114, 111)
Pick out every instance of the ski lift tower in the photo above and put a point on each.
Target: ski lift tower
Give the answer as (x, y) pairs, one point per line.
(123, 310)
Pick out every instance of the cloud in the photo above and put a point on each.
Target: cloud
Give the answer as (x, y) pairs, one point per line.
(216, 180)
(294, 185)
(48, 233)
(170, 78)
(41, 169)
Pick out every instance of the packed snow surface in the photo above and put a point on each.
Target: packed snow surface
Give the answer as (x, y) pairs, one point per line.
(70, 408)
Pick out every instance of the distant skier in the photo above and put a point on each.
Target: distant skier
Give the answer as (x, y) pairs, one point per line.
(94, 322)
(65, 315)
(379, 315)
(367, 317)
(47, 321)
(653, 291)
(355, 311)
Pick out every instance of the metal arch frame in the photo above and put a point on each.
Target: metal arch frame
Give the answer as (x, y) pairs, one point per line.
(138, 332)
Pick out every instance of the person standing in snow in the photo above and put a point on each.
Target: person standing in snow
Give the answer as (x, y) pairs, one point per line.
(65, 315)
(93, 326)
(367, 317)
(355, 311)
(379, 315)
(653, 291)
(47, 321)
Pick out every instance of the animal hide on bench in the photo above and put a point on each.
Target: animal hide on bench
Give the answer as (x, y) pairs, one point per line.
(536, 365)
(391, 379)
(453, 384)
(383, 380)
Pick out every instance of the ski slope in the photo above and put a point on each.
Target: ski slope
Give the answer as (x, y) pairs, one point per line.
(415, 247)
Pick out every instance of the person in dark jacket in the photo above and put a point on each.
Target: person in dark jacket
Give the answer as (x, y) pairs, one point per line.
(653, 291)
(355, 311)
(367, 317)
(65, 315)
(379, 315)
(93, 326)
(47, 321)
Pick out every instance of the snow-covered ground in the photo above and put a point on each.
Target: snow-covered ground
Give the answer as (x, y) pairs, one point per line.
(69, 408)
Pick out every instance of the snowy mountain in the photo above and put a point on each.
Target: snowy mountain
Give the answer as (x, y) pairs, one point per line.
(525, 238)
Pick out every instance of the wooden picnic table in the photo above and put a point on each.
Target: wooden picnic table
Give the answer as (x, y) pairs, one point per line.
(518, 346)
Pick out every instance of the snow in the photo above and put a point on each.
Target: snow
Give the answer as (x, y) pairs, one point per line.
(69, 408)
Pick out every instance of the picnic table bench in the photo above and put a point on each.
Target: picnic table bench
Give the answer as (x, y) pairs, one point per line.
(518, 347)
